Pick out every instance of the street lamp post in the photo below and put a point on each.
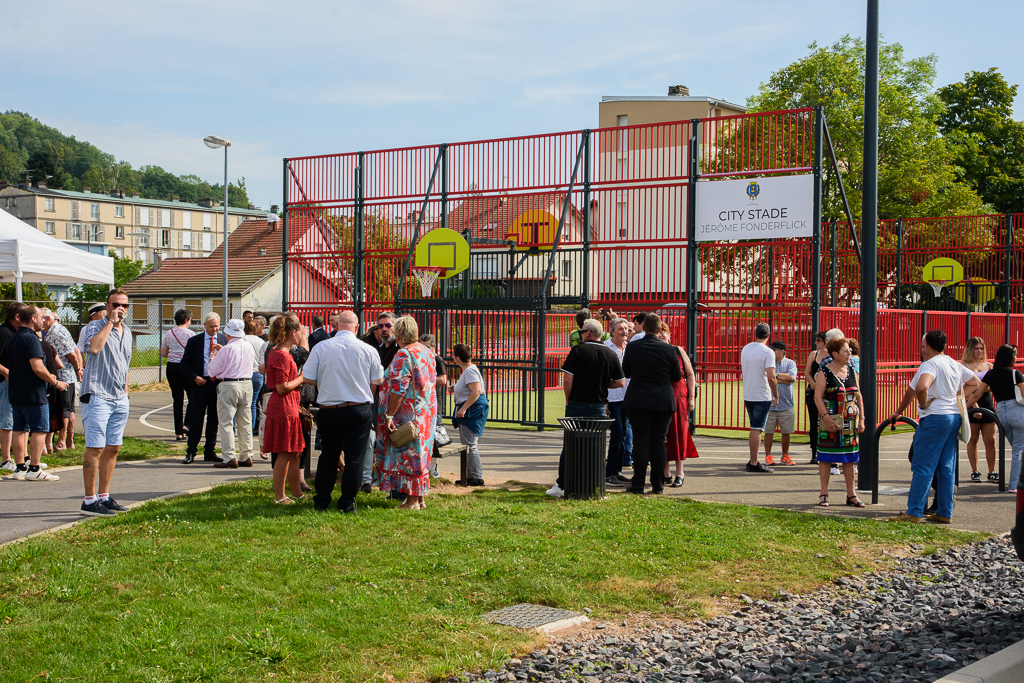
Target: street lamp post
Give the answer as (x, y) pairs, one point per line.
(214, 142)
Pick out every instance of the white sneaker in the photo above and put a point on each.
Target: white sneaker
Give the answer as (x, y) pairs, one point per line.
(40, 476)
(9, 466)
(555, 491)
(834, 471)
(43, 466)
(19, 474)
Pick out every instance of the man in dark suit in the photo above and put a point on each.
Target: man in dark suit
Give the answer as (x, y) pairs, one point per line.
(651, 366)
(202, 401)
(318, 334)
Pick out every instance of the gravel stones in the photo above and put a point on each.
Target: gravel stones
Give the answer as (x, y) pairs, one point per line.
(925, 618)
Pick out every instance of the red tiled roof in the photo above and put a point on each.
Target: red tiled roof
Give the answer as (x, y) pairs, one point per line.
(203, 276)
(494, 217)
(256, 233)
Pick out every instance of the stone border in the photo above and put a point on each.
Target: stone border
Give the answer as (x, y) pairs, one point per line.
(130, 506)
(1005, 666)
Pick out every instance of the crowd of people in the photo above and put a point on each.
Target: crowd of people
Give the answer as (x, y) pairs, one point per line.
(251, 383)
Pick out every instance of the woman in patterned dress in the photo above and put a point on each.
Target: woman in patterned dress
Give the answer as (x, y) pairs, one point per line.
(841, 412)
(406, 394)
(282, 433)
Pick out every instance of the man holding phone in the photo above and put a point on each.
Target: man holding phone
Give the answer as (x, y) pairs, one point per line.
(104, 398)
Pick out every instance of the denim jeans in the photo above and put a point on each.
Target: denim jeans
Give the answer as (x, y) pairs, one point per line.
(1011, 414)
(934, 454)
(619, 451)
(257, 385)
(578, 409)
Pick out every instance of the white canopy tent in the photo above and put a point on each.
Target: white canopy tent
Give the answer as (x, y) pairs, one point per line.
(27, 255)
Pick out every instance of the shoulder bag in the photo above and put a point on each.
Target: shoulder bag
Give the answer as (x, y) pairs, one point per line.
(965, 424)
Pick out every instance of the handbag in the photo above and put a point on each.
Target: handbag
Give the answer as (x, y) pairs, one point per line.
(965, 425)
(404, 434)
(1016, 395)
(306, 418)
(441, 437)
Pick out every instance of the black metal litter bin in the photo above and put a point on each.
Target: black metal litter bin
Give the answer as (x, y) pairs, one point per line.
(586, 443)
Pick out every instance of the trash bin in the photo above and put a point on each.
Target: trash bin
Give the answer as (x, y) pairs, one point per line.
(586, 443)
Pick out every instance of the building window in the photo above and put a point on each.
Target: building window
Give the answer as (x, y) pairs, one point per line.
(49, 203)
(74, 231)
(119, 211)
(206, 221)
(94, 211)
(49, 228)
(144, 256)
(119, 232)
(186, 239)
(566, 269)
(207, 242)
(144, 216)
(74, 209)
(186, 220)
(119, 251)
(165, 218)
(623, 120)
(165, 238)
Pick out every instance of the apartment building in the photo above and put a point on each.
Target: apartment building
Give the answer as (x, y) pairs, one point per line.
(133, 226)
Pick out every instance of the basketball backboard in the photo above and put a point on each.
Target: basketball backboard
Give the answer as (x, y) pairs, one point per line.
(534, 229)
(981, 291)
(942, 272)
(443, 248)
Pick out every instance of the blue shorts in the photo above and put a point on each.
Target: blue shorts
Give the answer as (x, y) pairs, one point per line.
(104, 421)
(757, 412)
(31, 419)
(6, 416)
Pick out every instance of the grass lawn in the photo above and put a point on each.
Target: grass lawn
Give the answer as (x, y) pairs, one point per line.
(144, 358)
(226, 586)
(131, 449)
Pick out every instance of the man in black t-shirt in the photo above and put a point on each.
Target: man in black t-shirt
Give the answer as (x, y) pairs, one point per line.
(590, 370)
(7, 332)
(28, 378)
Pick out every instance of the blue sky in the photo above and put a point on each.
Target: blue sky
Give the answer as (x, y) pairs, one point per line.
(146, 81)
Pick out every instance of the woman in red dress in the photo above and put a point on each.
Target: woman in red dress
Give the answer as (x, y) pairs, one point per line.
(679, 445)
(283, 431)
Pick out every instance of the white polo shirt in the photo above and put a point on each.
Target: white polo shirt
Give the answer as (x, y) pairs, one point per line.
(343, 367)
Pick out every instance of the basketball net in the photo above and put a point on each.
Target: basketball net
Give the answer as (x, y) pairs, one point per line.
(937, 286)
(427, 276)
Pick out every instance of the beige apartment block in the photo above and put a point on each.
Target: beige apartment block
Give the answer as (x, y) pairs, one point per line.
(133, 226)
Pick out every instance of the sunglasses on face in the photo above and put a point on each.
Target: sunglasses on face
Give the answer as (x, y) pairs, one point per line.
(117, 306)
(381, 326)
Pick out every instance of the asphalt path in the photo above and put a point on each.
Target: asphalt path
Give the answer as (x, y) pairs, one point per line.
(511, 455)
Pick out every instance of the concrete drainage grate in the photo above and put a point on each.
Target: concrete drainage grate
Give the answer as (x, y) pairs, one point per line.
(537, 617)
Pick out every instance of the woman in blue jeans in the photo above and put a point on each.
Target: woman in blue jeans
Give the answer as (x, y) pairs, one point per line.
(1001, 380)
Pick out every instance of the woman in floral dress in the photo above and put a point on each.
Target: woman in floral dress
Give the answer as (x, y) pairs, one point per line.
(406, 394)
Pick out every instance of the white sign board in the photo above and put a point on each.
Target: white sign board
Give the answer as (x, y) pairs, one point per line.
(762, 208)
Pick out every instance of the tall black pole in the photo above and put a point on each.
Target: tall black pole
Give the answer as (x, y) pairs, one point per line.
(692, 260)
(819, 112)
(869, 261)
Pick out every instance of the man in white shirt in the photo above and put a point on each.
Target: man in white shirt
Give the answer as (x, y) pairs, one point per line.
(760, 390)
(232, 368)
(935, 386)
(345, 371)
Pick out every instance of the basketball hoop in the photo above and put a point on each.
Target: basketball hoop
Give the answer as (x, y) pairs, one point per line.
(427, 275)
(937, 286)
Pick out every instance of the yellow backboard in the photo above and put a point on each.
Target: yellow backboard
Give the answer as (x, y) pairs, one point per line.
(443, 248)
(534, 229)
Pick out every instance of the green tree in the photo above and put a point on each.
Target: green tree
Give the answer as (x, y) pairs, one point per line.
(917, 173)
(110, 175)
(125, 270)
(988, 144)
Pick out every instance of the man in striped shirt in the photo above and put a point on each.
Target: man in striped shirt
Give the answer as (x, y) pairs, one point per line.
(104, 398)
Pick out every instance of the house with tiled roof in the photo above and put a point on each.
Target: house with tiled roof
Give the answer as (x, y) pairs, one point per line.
(134, 227)
(255, 275)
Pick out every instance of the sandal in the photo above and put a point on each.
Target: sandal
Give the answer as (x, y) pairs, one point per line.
(823, 501)
(284, 501)
(855, 502)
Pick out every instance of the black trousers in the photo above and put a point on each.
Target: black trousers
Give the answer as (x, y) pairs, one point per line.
(179, 382)
(812, 418)
(341, 429)
(202, 402)
(650, 431)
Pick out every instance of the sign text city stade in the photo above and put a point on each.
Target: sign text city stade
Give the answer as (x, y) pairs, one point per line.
(763, 208)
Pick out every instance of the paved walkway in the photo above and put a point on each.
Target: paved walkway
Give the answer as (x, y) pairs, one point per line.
(530, 456)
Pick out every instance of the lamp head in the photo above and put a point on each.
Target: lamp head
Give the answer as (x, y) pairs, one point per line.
(214, 142)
